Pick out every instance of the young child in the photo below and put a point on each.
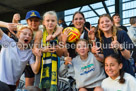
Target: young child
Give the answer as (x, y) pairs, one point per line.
(84, 68)
(49, 54)
(14, 57)
(118, 80)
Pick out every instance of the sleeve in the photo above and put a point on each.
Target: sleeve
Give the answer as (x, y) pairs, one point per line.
(66, 70)
(126, 41)
(132, 35)
(6, 40)
(125, 29)
(31, 61)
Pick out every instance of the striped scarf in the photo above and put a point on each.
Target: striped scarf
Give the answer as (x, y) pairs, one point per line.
(48, 79)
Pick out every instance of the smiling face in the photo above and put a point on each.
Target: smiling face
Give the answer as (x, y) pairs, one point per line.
(82, 48)
(105, 24)
(112, 67)
(25, 36)
(33, 23)
(17, 16)
(78, 21)
(50, 22)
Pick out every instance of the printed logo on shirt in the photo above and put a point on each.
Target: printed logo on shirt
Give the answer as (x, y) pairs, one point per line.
(85, 69)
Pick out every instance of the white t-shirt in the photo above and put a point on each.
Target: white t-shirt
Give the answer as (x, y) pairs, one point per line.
(13, 60)
(113, 85)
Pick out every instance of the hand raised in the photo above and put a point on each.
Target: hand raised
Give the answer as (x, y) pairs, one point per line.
(68, 60)
(49, 38)
(65, 35)
(12, 27)
(91, 33)
(95, 49)
(36, 52)
(115, 44)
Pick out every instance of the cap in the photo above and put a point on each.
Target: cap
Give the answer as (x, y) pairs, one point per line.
(32, 13)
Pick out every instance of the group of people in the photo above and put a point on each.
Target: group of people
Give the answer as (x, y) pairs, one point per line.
(100, 61)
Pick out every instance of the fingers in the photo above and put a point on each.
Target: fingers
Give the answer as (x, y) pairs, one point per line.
(86, 29)
(52, 49)
(90, 26)
(69, 63)
(48, 38)
(36, 52)
(67, 31)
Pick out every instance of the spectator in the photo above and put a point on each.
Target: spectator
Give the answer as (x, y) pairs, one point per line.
(47, 79)
(62, 23)
(132, 34)
(86, 68)
(12, 67)
(112, 41)
(116, 22)
(118, 80)
(16, 18)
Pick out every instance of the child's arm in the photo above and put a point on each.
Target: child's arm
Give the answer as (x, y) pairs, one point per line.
(62, 50)
(65, 68)
(57, 33)
(95, 50)
(10, 26)
(37, 39)
(99, 57)
(36, 66)
(1, 34)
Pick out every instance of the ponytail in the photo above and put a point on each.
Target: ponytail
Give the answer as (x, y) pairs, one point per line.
(122, 80)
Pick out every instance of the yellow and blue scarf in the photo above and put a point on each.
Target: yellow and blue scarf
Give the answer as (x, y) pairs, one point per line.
(48, 79)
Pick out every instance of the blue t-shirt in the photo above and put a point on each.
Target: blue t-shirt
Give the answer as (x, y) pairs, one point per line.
(124, 39)
(13, 60)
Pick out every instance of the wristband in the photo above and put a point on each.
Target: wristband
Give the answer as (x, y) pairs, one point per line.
(122, 49)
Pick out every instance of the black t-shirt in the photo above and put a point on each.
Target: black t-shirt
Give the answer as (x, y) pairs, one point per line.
(124, 39)
(123, 28)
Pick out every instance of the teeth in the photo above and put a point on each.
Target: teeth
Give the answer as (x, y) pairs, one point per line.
(110, 72)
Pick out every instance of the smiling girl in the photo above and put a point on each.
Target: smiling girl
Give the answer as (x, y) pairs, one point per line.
(114, 41)
(118, 80)
(85, 68)
(13, 58)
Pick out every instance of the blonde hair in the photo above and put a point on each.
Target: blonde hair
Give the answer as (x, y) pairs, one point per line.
(100, 32)
(50, 13)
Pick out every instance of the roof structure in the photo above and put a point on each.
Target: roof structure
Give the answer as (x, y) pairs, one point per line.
(9, 7)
